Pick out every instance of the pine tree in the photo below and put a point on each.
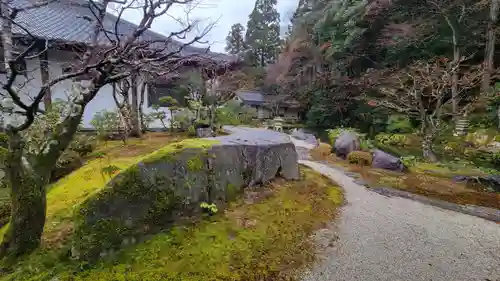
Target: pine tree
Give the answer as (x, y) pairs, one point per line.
(235, 43)
(263, 32)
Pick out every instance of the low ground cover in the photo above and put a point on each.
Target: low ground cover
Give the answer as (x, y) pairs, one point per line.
(262, 236)
(429, 179)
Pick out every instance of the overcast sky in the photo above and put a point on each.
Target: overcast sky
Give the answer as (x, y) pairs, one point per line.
(225, 12)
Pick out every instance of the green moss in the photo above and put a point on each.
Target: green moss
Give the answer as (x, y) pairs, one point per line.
(130, 186)
(335, 195)
(248, 242)
(195, 164)
(231, 192)
(260, 241)
(169, 151)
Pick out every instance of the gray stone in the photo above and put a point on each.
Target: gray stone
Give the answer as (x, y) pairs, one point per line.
(345, 143)
(383, 160)
(158, 191)
(303, 136)
(205, 132)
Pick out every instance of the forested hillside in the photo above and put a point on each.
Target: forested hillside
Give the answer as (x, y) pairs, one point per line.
(343, 55)
(356, 63)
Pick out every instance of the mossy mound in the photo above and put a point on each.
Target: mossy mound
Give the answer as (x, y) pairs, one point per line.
(269, 239)
(170, 184)
(142, 197)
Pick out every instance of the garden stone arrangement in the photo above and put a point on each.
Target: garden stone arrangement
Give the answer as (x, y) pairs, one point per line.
(348, 142)
(176, 181)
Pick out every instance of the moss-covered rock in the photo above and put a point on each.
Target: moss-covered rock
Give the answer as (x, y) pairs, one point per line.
(171, 183)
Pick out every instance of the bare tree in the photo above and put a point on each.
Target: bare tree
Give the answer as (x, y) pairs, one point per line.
(453, 22)
(423, 91)
(109, 56)
(217, 94)
(490, 44)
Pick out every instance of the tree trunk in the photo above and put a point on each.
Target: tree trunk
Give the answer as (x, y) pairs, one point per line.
(171, 119)
(144, 126)
(427, 142)
(44, 75)
(135, 130)
(124, 111)
(211, 116)
(28, 203)
(27, 184)
(490, 45)
(498, 116)
(6, 34)
(427, 148)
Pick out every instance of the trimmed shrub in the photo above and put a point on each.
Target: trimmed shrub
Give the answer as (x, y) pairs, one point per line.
(362, 158)
(392, 139)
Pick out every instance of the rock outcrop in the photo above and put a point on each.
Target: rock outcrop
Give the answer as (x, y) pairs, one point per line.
(383, 160)
(346, 143)
(172, 182)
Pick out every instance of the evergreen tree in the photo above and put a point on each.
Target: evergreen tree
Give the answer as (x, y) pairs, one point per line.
(235, 43)
(263, 32)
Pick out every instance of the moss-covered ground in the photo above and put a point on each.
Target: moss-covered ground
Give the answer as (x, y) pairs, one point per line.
(66, 193)
(433, 180)
(265, 236)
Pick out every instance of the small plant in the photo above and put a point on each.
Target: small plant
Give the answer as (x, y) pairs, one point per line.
(192, 131)
(4, 140)
(106, 123)
(99, 155)
(409, 161)
(173, 105)
(109, 171)
(360, 158)
(209, 208)
(366, 144)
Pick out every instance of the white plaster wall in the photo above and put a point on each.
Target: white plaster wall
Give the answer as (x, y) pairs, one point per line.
(30, 85)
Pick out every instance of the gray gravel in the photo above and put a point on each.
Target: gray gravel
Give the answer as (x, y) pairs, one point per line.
(391, 238)
(377, 237)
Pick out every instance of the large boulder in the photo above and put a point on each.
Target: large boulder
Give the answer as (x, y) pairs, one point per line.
(383, 160)
(172, 183)
(345, 143)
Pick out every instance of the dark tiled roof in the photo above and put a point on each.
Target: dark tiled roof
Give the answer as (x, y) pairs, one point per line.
(259, 98)
(71, 21)
(251, 97)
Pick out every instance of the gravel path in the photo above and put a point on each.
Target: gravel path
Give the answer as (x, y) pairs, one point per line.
(397, 239)
(391, 238)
